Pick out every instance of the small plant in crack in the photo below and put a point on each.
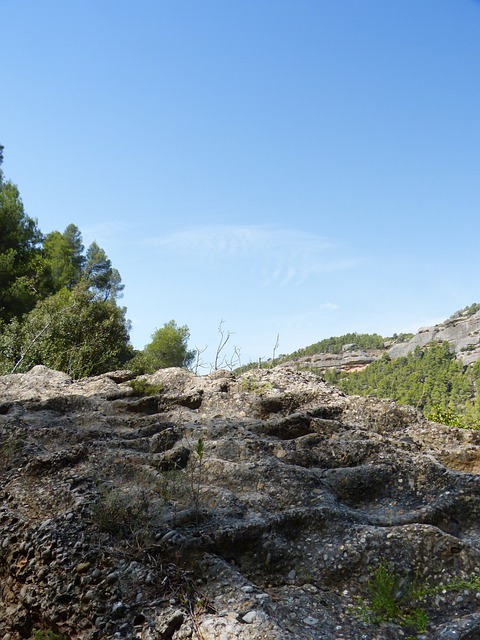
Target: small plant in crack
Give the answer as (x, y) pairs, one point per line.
(142, 387)
(392, 597)
(128, 515)
(402, 600)
(254, 385)
(47, 635)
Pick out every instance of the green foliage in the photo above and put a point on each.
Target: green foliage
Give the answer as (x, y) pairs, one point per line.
(19, 254)
(400, 599)
(429, 378)
(64, 259)
(466, 311)
(336, 344)
(392, 598)
(195, 473)
(104, 281)
(70, 331)
(168, 348)
(142, 387)
(400, 337)
(47, 635)
(57, 306)
(250, 383)
(445, 416)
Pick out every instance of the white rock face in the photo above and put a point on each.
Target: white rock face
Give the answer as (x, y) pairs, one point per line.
(463, 333)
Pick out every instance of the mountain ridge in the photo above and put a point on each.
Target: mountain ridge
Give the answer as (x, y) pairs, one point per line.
(461, 330)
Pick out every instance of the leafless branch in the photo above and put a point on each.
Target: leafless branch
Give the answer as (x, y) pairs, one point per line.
(224, 338)
(199, 364)
(39, 334)
(275, 349)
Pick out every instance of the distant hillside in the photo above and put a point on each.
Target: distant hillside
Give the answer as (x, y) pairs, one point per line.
(436, 370)
(429, 378)
(353, 351)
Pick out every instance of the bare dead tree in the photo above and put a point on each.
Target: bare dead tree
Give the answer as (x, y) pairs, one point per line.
(275, 349)
(199, 364)
(224, 338)
(235, 360)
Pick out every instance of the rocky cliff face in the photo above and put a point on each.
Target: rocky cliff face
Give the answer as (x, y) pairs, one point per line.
(463, 333)
(220, 507)
(350, 359)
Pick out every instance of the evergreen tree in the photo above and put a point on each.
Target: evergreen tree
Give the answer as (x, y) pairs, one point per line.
(168, 348)
(19, 254)
(64, 259)
(57, 306)
(104, 281)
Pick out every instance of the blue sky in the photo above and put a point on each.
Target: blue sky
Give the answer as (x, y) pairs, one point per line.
(301, 169)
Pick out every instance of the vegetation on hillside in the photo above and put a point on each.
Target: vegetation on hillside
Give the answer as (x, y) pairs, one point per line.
(336, 344)
(431, 379)
(466, 312)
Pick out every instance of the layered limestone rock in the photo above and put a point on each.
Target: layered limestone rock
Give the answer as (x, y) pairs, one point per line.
(350, 359)
(462, 332)
(224, 507)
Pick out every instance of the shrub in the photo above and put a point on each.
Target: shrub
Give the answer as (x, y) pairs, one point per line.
(399, 599)
(445, 416)
(168, 348)
(47, 635)
(130, 515)
(142, 387)
(252, 384)
(392, 598)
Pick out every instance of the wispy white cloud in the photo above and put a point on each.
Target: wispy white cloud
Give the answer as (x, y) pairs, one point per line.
(280, 256)
(104, 232)
(330, 306)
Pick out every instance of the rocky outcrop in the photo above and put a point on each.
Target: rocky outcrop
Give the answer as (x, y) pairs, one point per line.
(461, 331)
(224, 507)
(349, 359)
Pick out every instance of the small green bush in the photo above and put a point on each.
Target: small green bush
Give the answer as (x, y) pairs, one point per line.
(47, 635)
(392, 598)
(445, 416)
(129, 515)
(399, 599)
(252, 384)
(142, 387)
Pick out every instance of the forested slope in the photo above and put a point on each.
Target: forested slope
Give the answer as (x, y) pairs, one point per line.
(429, 378)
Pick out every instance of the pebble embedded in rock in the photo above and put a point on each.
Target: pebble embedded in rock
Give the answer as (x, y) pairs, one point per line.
(250, 616)
(82, 567)
(112, 577)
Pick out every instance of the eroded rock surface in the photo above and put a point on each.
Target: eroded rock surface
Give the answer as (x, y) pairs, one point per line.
(221, 507)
